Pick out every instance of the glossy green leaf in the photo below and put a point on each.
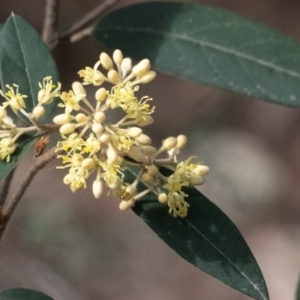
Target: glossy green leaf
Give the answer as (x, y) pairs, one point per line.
(208, 45)
(25, 60)
(23, 144)
(23, 294)
(206, 238)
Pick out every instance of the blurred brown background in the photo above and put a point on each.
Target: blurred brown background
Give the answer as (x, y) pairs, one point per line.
(74, 247)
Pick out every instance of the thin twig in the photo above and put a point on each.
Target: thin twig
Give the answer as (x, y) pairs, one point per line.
(50, 34)
(38, 164)
(5, 187)
(89, 17)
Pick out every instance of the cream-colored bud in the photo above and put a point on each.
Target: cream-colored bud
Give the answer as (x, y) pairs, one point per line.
(88, 164)
(152, 170)
(97, 128)
(126, 66)
(104, 138)
(136, 154)
(117, 57)
(81, 118)
(78, 89)
(97, 188)
(181, 141)
(147, 178)
(113, 76)
(196, 180)
(125, 205)
(131, 191)
(101, 94)
(163, 198)
(67, 128)
(134, 131)
(38, 111)
(148, 120)
(201, 170)
(61, 119)
(141, 68)
(144, 139)
(148, 150)
(148, 77)
(67, 179)
(112, 154)
(3, 112)
(169, 143)
(106, 61)
(99, 116)
(7, 142)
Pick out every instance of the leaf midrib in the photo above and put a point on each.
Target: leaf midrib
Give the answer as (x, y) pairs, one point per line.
(228, 259)
(203, 43)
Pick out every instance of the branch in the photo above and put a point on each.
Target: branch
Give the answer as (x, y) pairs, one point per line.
(50, 34)
(38, 164)
(95, 13)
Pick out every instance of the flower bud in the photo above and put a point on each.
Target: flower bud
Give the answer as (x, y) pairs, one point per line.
(144, 139)
(148, 77)
(88, 164)
(169, 143)
(106, 61)
(67, 128)
(104, 138)
(61, 119)
(148, 150)
(112, 154)
(201, 170)
(117, 57)
(147, 178)
(196, 180)
(125, 205)
(38, 111)
(81, 118)
(113, 76)
(163, 198)
(152, 170)
(134, 132)
(126, 66)
(78, 89)
(97, 188)
(101, 94)
(67, 179)
(141, 68)
(97, 128)
(181, 141)
(148, 120)
(99, 116)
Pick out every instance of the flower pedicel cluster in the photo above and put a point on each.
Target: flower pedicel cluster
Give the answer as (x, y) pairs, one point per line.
(92, 145)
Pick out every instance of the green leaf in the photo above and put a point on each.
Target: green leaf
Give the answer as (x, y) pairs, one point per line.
(298, 290)
(208, 45)
(206, 238)
(25, 60)
(23, 144)
(23, 294)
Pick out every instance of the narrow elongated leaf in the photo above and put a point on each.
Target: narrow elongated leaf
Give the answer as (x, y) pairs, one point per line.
(206, 238)
(25, 60)
(23, 294)
(208, 45)
(23, 144)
